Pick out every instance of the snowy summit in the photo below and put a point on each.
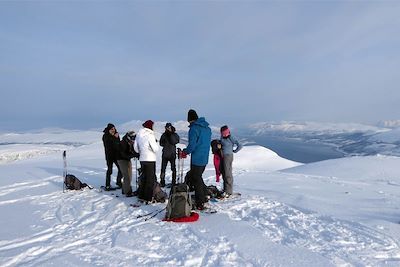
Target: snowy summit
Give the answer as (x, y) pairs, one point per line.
(341, 212)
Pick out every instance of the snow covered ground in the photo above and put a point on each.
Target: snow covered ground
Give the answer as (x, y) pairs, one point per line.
(342, 212)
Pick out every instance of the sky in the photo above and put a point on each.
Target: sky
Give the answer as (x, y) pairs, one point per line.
(82, 64)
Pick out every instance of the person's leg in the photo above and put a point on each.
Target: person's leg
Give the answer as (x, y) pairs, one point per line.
(149, 179)
(123, 165)
(164, 163)
(228, 178)
(198, 183)
(173, 169)
(109, 172)
(217, 162)
(119, 175)
(129, 179)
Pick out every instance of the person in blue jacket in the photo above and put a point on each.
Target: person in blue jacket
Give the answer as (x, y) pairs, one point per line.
(199, 148)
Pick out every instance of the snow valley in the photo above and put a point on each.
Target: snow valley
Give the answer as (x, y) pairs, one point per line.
(337, 212)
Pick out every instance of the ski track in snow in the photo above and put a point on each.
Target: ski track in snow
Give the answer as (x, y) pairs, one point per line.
(100, 229)
(341, 241)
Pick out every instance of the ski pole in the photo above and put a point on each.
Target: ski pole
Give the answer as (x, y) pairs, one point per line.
(136, 173)
(183, 163)
(155, 214)
(65, 168)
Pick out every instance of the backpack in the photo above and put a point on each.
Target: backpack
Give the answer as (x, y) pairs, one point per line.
(214, 146)
(158, 194)
(213, 192)
(73, 183)
(179, 204)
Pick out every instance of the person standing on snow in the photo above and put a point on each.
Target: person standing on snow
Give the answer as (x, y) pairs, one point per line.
(146, 145)
(110, 142)
(126, 152)
(199, 147)
(216, 149)
(228, 142)
(168, 141)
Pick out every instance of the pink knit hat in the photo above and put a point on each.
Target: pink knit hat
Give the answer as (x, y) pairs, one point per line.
(225, 132)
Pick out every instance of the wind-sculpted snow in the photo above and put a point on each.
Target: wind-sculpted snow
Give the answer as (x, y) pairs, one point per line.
(312, 215)
(16, 152)
(341, 241)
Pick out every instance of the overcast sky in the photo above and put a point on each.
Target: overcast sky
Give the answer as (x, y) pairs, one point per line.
(82, 64)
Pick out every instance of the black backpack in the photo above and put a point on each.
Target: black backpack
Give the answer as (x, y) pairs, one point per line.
(214, 146)
(73, 183)
(158, 194)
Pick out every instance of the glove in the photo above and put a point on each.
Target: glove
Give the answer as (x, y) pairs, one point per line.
(183, 154)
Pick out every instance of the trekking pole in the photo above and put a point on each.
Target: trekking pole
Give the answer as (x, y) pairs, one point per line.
(136, 173)
(155, 214)
(180, 180)
(183, 163)
(64, 155)
(151, 213)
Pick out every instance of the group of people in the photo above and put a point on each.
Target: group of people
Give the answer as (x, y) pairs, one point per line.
(144, 146)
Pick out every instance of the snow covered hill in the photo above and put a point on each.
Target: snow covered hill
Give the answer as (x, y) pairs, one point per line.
(342, 212)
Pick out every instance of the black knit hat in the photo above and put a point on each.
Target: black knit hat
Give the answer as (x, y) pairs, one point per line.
(192, 115)
(109, 126)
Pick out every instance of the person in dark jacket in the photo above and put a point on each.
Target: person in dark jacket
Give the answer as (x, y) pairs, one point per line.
(126, 152)
(168, 141)
(199, 148)
(111, 141)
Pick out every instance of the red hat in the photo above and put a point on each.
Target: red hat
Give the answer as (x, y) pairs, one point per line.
(148, 124)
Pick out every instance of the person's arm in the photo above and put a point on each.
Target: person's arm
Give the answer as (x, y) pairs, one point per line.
(135, 146)
(153, 143)
(238, 145)
(174, 138)
(163, 140)
(193, 140)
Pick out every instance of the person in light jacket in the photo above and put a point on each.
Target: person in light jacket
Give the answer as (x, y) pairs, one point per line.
(228, 142)
(146, 145)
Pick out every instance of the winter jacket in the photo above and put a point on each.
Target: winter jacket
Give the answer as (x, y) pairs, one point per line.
(228, 143)
(110, 143)
(125, 149)
(146, 145)
(199, 142)
(168, 141)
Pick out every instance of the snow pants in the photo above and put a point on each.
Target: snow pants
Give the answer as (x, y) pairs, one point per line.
(126, 169)
(228, 176)
(109, 172)
(149, 172)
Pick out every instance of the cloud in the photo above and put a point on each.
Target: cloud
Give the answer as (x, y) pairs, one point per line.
(235, 61)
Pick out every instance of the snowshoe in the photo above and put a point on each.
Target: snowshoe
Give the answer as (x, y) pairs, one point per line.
(108, 188)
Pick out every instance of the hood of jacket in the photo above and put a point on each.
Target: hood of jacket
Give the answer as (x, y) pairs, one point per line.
(200, 122)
